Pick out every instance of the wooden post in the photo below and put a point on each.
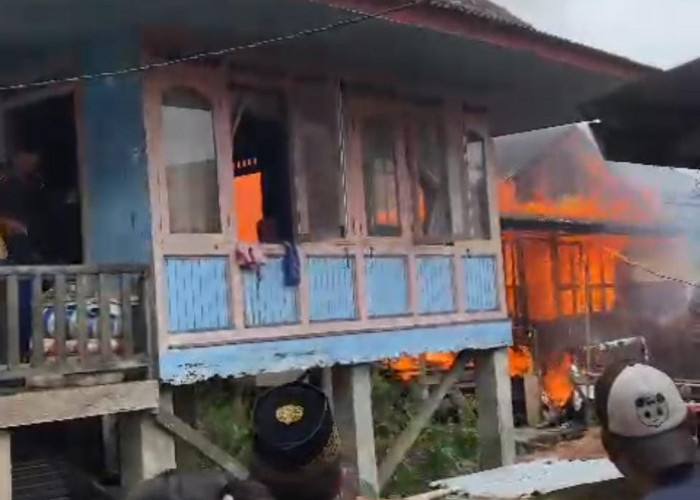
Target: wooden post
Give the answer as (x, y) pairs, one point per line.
(146, 449)
(495, 424)
(409, 435)
(533, 399)
(5, 465)
(352, 393)
(184, 406)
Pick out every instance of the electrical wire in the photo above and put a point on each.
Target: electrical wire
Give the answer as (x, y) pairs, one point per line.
(649, 270)
(362, 17)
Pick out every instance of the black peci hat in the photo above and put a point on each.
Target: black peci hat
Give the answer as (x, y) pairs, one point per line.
(294, 427)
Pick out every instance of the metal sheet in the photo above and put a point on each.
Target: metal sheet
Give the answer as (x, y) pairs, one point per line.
(528, 479)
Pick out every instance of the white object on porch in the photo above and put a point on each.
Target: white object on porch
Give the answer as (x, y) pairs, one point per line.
(528, 479)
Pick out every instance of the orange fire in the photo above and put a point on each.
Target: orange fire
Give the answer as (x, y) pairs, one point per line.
(588, 193)
(556, 382)
(582, 265)
(407, 367)
(520, 361)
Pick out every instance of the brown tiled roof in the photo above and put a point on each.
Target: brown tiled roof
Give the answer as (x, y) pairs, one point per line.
(481, 8)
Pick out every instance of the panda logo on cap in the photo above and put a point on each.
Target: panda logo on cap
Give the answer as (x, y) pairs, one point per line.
(652, 409)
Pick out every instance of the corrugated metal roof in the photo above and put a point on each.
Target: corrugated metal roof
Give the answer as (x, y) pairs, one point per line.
(482, 8)
(531, 478)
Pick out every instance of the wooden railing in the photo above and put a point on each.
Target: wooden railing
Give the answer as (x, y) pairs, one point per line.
(75, 319)
(209, 299)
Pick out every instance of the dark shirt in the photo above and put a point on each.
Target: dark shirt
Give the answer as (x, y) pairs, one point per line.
(683, 485)
(24, 200)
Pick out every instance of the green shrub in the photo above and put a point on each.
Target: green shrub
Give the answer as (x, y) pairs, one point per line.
(446, 447)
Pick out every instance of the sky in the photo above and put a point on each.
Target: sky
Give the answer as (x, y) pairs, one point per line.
(660, 33)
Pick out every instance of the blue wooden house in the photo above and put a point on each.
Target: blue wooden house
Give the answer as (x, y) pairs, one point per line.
(264, 186)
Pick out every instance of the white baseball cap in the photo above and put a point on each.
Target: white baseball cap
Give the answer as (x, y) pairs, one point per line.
(644, 405)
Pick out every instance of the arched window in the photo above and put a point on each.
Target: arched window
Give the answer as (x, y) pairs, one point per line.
(190, 162)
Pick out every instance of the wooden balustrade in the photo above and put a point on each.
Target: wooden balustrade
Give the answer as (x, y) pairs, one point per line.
(74, 319)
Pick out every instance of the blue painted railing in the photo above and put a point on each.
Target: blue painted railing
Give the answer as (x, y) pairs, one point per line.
(387, 286)
(331, 288)
(198, 294)
(267, 300)
(481, 285)
(435, 286)
(199, 297)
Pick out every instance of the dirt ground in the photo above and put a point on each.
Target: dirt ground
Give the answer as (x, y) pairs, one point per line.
(587, 447)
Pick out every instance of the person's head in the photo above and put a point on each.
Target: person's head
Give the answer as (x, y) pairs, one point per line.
(26, 163)
(647, 429)
(296, 445)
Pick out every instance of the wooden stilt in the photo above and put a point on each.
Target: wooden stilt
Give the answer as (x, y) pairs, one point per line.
(352, 392)
(5, 465)
(146, 449)
(495, 407)
(409, 435)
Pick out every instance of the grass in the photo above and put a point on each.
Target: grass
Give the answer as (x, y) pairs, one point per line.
(447, 446)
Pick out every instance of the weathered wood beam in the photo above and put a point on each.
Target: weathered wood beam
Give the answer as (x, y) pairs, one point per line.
(192, 437)
(36, 407)
(409, 435)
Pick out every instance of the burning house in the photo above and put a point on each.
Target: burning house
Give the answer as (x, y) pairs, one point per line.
(261, 186)
(590, 249)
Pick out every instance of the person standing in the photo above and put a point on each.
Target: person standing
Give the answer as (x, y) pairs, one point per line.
(23, 211)
(648, 431)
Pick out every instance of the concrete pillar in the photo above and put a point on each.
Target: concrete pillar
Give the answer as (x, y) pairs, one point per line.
(5, 465)
(146, 449)
(184, 406)
(533, 399)
(352, 394)
(495, 407)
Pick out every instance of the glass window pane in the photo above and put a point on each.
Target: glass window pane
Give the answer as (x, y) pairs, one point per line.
(379, 164)
(319, 173)
(190, 163)
(433, 186)
(475, 193)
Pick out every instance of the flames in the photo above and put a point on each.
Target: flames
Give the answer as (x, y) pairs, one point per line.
(408, 367)
(520, 363)
(557, 383)
(549, 275)
(586, 191)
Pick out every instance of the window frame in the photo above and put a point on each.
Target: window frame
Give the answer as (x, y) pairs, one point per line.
(299, 129)
(360, 108)
(470, 125)
(209, 84)
(437, 114)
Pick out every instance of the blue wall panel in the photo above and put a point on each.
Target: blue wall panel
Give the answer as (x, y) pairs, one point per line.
(267, 300)
(117, 208)
(387, 286)
(435, 285)
(480, 283)
(186, 366)
(331, 288)
(198, 294)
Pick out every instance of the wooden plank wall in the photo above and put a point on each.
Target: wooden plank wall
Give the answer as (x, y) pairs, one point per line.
(114, 168)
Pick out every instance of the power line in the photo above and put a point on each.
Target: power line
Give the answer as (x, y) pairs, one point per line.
(213, 53)
(649, 270)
